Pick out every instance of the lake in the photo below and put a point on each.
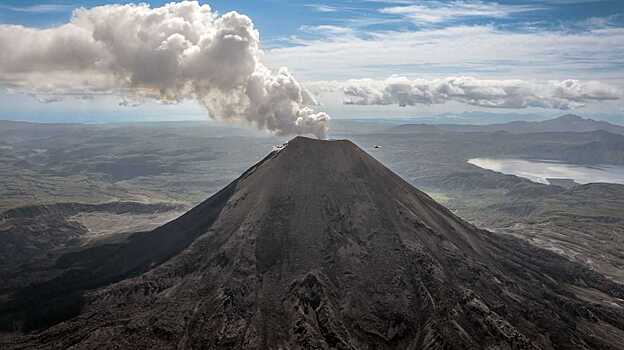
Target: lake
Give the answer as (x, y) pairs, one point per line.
(542, 170)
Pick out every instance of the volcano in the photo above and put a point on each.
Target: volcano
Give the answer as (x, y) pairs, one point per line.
(320, 246)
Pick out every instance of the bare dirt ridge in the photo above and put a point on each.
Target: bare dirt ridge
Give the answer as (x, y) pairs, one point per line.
(319, 246)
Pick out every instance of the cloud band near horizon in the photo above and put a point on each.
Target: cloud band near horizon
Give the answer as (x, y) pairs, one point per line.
(490, 93)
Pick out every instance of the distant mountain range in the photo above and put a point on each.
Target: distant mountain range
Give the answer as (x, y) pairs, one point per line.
(565, 123)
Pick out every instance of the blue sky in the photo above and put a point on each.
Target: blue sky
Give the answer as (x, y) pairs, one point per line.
(342, 40)
(280, 19)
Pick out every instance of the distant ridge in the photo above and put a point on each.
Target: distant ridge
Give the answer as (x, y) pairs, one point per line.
(564, 123)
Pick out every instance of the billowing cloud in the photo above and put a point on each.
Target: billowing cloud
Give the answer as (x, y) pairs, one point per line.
(401, 91)
(170, 53)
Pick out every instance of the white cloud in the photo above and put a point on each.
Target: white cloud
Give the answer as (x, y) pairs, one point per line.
(594, 54)
(600, 22)
(438, 11)
(42, 8)
(171, 53)
(516, 94)
(322, 8)
(326, 30)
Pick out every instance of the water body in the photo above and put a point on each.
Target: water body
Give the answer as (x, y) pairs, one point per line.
(542, 170)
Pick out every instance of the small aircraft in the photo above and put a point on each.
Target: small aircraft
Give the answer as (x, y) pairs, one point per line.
(376, 146)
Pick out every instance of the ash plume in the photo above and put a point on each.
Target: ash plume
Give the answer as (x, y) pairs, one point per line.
(171, 53)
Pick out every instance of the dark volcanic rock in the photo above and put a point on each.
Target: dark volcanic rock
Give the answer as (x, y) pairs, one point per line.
(32, 237)
(319, 246)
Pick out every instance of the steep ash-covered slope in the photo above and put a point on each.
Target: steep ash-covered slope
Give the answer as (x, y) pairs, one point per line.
(319, 246)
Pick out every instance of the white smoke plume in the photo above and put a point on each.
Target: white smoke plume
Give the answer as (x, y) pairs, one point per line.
(171, 53)
(401, 91)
